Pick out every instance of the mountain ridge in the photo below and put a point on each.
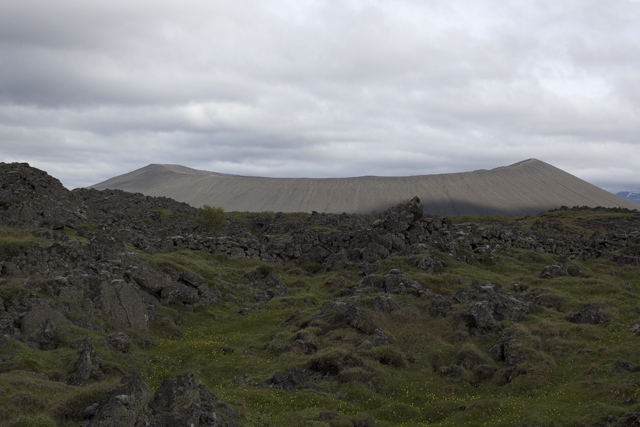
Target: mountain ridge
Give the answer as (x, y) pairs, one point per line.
(633, 196)
(523, 188)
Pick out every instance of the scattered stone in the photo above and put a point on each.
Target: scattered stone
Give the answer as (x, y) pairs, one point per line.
(335, 262)
(556, 270)
(589, 314)
(40, 327)
(190, 278)
(120, 341)
(228, 350)
(112, 412)
(379, 338)
(430, 264)
(265, 284)
(179, 294)
(479, 318)
(624, 366)
(385, 304)
(337, 314)
(90, 410)
(395, 283)
(90, 364)
(440, 306)
(292, 380)
(334, 362)
(508, 349)
(305, 342)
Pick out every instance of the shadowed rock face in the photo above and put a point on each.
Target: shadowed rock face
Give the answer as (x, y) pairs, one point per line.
(29, 196)
(525, 188)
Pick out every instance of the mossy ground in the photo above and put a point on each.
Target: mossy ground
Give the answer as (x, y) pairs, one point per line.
(569, 378)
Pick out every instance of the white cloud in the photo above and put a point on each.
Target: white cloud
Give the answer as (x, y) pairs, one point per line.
(320, 88)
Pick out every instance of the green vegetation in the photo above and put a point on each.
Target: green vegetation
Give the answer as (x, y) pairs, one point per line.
(211, 219)
(568, 377)
(13, 239)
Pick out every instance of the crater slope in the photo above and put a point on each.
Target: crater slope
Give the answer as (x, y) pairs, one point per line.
(524, 188)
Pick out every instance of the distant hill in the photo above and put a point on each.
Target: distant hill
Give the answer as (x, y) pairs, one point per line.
(524, 188)
(633, 196)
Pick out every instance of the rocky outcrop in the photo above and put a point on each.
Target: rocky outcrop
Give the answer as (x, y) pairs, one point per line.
(124, 404)
(508, 349)
(481, 307)
(40, 326)
(293, 379)
(90, 364)
(119, 341)
(556, 270)
(396, 283)
(32, 198)
(385, 303)
(342, 314)
(123, 306)
(264, 284)
(177, 402)
(589, 314)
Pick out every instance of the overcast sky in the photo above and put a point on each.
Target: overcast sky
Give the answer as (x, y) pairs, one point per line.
(311, 88)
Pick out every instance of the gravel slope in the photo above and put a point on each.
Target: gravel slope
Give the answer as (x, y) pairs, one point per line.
(524, 188)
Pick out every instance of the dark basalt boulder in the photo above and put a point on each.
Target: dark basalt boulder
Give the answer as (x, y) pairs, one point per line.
(379, 338)
(479, 318)
(120, 341)
(396, 283)
(334, 362)
(589, 314)
(374, 252)
(430, 264)
(123, 305)
(440, 306)
(335, 262)
(30, 197)
(190, 278)
(293, 379)
(40, 327)
(491, 303)
(400, 217)
(265, 284)
(557, 270)
(385, 304)
(150, 280)
(182, 401)
(177, 402)
(304, 341)
(509, 348)
(179, 294)
(124, 404)
(343, 314)
(624, 366)
(90, 364)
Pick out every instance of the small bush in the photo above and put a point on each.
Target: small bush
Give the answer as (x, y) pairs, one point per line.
(211, 219)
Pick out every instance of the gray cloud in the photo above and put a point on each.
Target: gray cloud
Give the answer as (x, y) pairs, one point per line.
(321, 88)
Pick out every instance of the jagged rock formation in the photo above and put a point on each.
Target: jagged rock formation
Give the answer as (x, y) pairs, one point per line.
(31, 197)
(525, 188)
(178, 402)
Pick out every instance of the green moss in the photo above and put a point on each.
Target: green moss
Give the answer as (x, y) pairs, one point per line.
(12, 239)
